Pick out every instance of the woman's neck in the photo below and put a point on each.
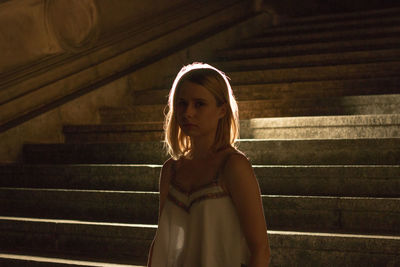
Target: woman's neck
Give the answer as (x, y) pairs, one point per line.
(201, 148)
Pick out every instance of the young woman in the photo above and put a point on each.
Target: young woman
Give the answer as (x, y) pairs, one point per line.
(211, 213)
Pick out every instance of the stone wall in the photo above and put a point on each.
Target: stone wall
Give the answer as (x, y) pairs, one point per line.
(77, 70)
(47, 42)
(33, 30)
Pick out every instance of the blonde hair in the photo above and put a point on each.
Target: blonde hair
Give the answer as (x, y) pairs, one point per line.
(216, 82)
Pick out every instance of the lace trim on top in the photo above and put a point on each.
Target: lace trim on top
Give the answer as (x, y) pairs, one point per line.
(173, 182)
(186, 201)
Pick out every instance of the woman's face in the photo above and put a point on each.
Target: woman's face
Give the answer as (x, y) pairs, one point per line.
(197, 111)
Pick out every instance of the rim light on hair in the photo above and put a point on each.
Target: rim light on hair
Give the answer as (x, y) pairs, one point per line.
(177, 143)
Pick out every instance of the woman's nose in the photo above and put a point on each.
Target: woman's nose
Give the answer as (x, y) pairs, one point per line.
(189, 110)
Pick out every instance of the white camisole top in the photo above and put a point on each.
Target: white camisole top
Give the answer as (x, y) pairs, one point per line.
(199, 229)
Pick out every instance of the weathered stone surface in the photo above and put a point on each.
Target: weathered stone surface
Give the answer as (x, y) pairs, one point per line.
(349, 105)
(303, 213)
(24, 37)
(49, 126)
(293, 152)
(113, 133)
(326, 214)
(388, 27)
(126, 177)
(304, 25)
(297, 248)
(299, 180)
(113, 137)
(312, 48)
(103, 241)
(140, 113)
(89, 205)
(130, 243)
(373, 16)
(323, 59)
(16, 260)
(76, 29)
(323, 152)
(140, 152)
(350, 71)
(329, 180)
(323, 127)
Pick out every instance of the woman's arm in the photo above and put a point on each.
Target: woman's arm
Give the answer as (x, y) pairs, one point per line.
(164, 180)
(246, 196)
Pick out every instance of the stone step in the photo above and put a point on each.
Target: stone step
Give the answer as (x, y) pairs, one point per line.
(113, 133)
(309, 213)
(318, 73)
(17, 260)
(121, 177)
(133, 114)
(129, 242)
(303, 213)
(107, 242)
(323, 127)
(310, 48)
(318, 89)
(285, 107)
(103, 153)
(260, 151)
(323, 152)
(316, 127)
(348, 105)
(95, 205)
(323, 59)
(324, 180)
(300, 25)
(324, 249)
(362, 17)
(361, 32)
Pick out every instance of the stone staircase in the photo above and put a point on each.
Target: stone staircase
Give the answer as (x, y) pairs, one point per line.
(319, 102)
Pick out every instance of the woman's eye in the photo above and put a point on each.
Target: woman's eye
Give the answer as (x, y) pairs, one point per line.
(182, 104)
(199, 104)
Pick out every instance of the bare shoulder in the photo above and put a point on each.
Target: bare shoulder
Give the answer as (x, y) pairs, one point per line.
(166, 170)
(237, 161)
(168, 164)
(238, 172)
